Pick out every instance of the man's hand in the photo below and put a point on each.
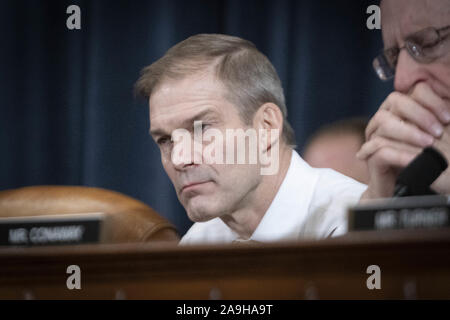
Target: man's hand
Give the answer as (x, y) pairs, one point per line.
(442, 184)
(397, 133)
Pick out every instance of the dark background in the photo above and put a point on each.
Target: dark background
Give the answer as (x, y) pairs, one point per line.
(68, 114)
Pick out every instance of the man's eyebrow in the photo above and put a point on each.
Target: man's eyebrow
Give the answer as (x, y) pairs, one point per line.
(202, 114)
(186, 123)
(156, 132)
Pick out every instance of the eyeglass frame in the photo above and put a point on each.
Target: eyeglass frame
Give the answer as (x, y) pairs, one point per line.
(382, 57)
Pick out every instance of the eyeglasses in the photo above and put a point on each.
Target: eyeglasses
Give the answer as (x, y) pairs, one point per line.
(424, 46)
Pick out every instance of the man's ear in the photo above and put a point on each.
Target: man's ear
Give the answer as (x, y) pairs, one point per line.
(267, 118)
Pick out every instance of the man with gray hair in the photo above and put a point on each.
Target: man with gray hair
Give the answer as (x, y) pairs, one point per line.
(416, 36)
(208, 86)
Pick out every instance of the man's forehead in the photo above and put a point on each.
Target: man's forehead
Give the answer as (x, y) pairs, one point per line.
(403, 17)
(177, 104)
(181, 114)
(165, 123)
(185, 93)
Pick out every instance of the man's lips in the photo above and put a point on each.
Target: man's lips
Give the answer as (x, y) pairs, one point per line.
(193, 184)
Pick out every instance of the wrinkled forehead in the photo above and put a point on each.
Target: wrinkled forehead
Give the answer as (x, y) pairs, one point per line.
(173, 94)
(400, 18)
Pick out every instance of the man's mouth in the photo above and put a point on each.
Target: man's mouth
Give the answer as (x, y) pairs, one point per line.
(193, 185)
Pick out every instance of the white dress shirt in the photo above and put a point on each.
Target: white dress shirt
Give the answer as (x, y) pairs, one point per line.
(310, 204)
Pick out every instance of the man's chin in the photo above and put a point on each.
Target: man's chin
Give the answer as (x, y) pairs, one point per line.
(200, 216)
(199, 212)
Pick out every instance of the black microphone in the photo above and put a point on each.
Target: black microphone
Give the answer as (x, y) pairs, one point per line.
(417, 177)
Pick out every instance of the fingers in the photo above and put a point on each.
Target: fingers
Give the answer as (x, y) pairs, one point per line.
(384, 166)
(426, 97)
(388, 157)
(379, 143)
(411, 111)
(388, 125)
(398, 132)
(406, 108)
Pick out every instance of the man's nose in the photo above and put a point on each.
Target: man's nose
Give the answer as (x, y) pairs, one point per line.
(408, 73)
(182, 161)
(188, 158)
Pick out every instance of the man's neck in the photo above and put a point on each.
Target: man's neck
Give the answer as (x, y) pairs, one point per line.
(245, 220)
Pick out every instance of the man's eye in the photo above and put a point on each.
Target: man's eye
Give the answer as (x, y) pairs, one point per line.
(425, 40)
(202, 127)
(163, 141)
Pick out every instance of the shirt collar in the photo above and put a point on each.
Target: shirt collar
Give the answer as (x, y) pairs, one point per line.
(289, 208)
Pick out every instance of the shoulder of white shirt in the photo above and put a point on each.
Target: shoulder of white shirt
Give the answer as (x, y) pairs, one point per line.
(332, 188)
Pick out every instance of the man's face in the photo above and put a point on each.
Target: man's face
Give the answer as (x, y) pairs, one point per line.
(401, 18)
(205, 190)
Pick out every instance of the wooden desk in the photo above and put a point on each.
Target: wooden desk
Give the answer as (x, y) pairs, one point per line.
(413, 265)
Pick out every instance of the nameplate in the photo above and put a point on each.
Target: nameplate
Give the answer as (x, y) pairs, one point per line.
(64, 229)
(423, 212)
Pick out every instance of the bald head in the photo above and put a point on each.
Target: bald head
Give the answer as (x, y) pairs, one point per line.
(335, 146)
(337, 152)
